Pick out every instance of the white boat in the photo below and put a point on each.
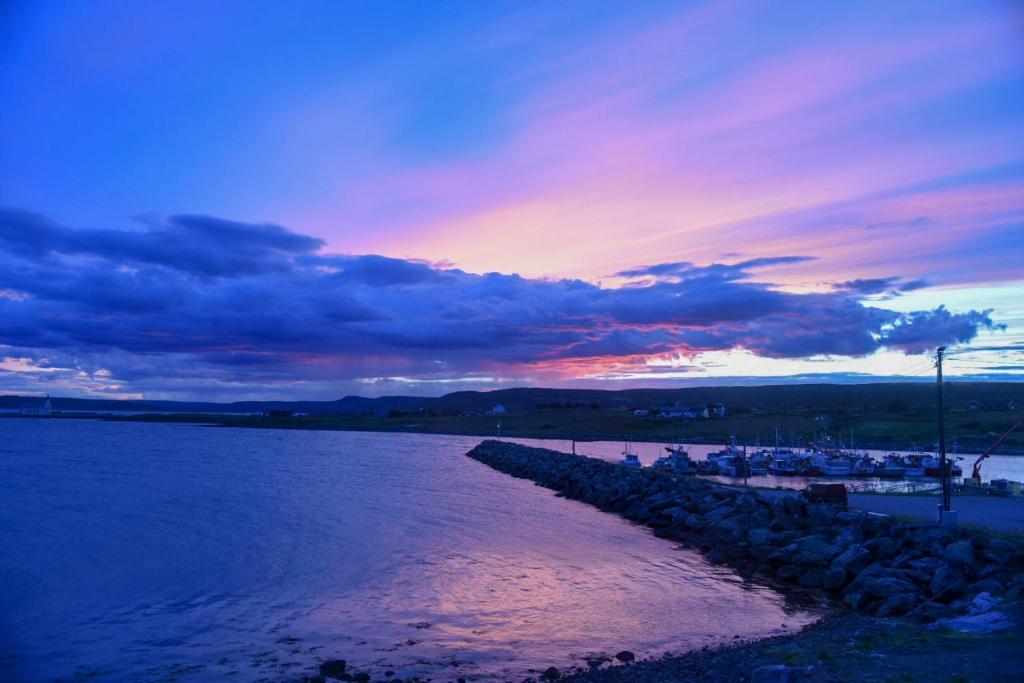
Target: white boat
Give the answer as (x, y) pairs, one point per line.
(677, 461)
(830, 464)
(721, 462)
(892, 466)
(629, 459)
(784, 463)
(863, 466)
(759, 461)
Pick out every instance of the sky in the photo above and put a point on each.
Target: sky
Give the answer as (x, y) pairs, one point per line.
(241, 200)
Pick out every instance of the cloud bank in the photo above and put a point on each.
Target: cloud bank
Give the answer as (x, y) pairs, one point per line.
(194, 301)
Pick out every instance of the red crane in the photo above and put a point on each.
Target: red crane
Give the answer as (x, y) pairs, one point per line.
(976, 470)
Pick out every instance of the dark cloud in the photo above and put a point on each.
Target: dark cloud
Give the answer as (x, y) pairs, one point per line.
(729, 271)
(888, 286)
(200, 245)
(204, 300)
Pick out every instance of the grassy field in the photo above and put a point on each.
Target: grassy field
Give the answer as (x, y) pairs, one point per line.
(972, 431)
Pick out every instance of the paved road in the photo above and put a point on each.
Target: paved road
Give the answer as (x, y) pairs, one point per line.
(999, 514)
(993, 512)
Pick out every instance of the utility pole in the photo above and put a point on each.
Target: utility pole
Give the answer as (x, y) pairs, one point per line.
(944, 469)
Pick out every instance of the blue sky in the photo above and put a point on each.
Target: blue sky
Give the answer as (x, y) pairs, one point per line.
(867, 157)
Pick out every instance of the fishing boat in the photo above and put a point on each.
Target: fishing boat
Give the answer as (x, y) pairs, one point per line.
(930, 465)
(718, 462)
(759, 461)
(830, 464)
(629, 459)
(784, 463)
(734, 466)
(863, 466)
(892, 466)
(677, 461)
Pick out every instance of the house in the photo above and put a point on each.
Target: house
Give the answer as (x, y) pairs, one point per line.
(999, 406)
(685, 412)
(498, 409)
(37, 407)
(716, 410)
(641, 412)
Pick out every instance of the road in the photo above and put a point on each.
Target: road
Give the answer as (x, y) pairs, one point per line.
(995, 513)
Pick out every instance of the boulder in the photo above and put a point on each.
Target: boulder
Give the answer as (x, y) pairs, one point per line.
(885, 587)
(834, 579)
(814, 550)
(333, 668)
(551, 674)
(789, 572)
(758, 536)
(773, 673)
(855, 600)
(897, 605)
(813, 577)
(947, 583)
(852, 560)
(960, 552)
(625, 656)
(883, 546)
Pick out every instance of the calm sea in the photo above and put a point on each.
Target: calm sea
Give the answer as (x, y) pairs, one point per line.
(192, 553)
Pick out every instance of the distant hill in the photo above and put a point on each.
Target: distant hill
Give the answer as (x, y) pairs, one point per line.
(915, 395)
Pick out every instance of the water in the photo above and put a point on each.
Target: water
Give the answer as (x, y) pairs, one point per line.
(190, 553)
(996, 467)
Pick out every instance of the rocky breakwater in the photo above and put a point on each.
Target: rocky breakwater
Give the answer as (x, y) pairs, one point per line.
(871, 564)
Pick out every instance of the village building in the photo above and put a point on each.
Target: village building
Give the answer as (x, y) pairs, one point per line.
(997, 406)
(37, 407)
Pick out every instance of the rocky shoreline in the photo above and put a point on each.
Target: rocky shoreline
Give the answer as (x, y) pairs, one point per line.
(869, 564)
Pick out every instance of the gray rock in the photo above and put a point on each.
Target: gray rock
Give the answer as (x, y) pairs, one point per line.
(883, 546)
(852, 560)
(855, 600)
(333, 668)
(814, 550)
(885, 587)
(813, 577)
(960, 552)
(989, 585)
(551, 674)
(625, 656)
(758, 536)
(897, 605)
(789, 572)
(947, 583)
(834, 579)
(773, 673)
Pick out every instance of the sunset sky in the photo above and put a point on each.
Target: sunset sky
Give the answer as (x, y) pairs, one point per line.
(306, 200)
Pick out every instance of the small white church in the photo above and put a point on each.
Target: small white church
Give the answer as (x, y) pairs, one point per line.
(37, 407)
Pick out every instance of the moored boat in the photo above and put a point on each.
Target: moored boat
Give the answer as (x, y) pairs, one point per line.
(629, 459)
(677, 461)
(892, 466)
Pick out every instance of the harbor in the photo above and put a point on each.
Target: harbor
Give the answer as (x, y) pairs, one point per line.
(860, 470)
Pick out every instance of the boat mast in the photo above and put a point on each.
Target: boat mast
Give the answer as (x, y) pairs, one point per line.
(943, 466)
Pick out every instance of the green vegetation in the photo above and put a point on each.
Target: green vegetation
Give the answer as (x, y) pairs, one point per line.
(883, 415)
(871, 429)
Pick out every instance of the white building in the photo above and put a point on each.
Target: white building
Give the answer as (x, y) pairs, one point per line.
(498, 410)
(37, 407)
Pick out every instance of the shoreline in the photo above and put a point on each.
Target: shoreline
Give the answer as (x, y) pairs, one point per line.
(347, 423)
(840, 647)
(902, 592)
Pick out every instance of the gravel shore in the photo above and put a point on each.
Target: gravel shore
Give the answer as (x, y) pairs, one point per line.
(844, 647)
